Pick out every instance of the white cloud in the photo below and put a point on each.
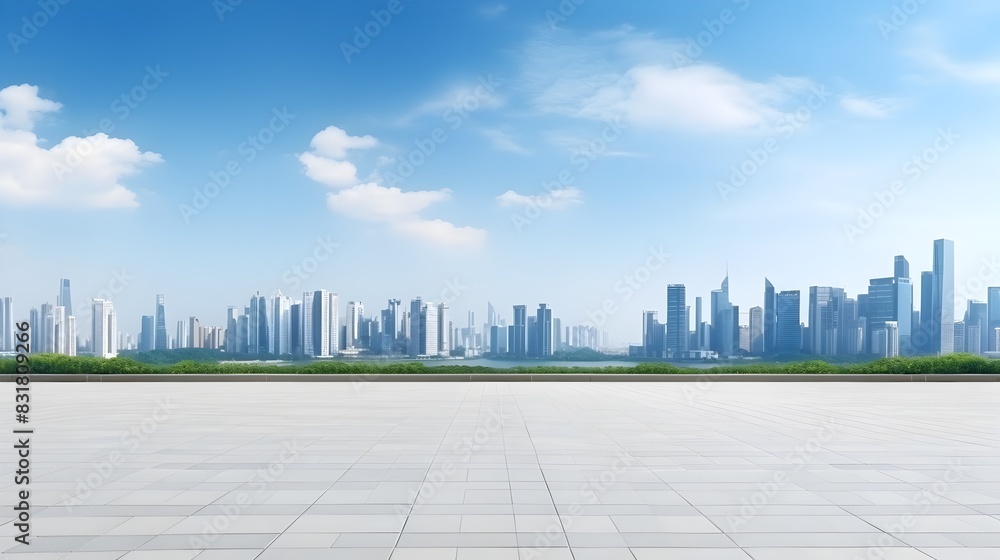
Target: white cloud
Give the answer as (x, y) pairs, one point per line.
(556, 199)
(868, 107)
(399, 210)
(75, 173)
(638, 77)
(494, 10)
(977, 72)
(502, 141)
(460, 101)
(334, 142)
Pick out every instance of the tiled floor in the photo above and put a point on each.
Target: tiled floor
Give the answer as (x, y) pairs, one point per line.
(510, 471)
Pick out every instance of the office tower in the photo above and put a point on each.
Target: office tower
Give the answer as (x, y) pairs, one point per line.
(976, 317)
(543, 324)
(104, 329)
(826, 311)
(993, 318)
(160, 328)
(788, 336)
(901, 267)
(958, 335)
(723, 329)
(413, 340)
(745, 338)
(444, 332)
(243, 332)
(323, 331)
(491, 321)
(64, 298)
(7, 325)
(71, 340)
(677, 328)
(429, 330)
(44, 340)
(390, 327)
(182, 334)
(653, 335)
(355, 311)
(147, 334)
(850, 340)
(891, 299)
(973, 338)
(532, 336)
(943, 303)
(923, 340)
(557, 341)
(700, 342)
(281, 307)
(34, 326)
(295, 329)
(58, 322)
(736, 327)
(307, 328)
(336, 341)
(770, 318)
(517, 343)
(259, 342)
(232, 332)
(757, 330)
(196, 336)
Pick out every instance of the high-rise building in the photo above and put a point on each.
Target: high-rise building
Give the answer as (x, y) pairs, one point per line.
(294, 329)
(147, 330)
(429, 330)
(788, 336)
(543, 330)
(901, 267)
(413, 348)
(7, 324)
(196, 334)
(653, 335)
(308, 314)
(943, 304)
(355, 312)
(160, 332)
(259, 342)
(976, 318)
(444, 332)
(182, 334)
(770, 318)
(745, 338)
(104, 329)
(517, 341)
(826, 313)
(532, 335)
(677, 327)
(958, 336)
(923, 340)
(724, 331)
(993, 317)
(281, 325)
(757, 330)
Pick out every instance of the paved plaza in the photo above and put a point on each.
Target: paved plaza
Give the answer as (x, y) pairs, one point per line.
(509, 471)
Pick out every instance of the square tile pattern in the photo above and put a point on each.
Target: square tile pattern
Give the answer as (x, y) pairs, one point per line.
(510, 471)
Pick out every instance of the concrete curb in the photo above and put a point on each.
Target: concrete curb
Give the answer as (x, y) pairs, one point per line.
(508, 378)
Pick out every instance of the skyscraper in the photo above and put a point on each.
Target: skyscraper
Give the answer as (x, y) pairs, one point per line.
(308, 315)
(413, 342)
(770, 318)
(182, 333)
(444, 332)
(160, 327)
(543, 330)
(517, 342)
(943, 304)
(923, 341)
(64, 298)
(429, 330)
(699, 342)
(976, 319)
(901, 267)
(355, 311)
(788, 337)
(993, 317)
(723, 332)
(6, 325)
(677, 328)
(757, 330)
(653, 336)
(826, 311)
(146, 334)
(104, 329)
(281, 325)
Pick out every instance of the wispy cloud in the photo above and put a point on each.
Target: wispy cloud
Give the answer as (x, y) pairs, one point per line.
(556, 199)
(868, 107)
(493, 10)
(503, 141)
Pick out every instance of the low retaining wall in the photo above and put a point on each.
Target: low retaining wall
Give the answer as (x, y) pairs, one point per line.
(507, 377)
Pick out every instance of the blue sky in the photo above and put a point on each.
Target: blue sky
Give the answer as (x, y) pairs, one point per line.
(561, 149)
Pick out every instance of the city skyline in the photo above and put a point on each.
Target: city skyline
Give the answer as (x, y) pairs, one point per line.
(289, 165)
(886, 320)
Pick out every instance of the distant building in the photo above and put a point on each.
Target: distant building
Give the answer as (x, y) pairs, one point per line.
(677, 320)
(789, 333)
(104, 329)
(756, 333)
(160, 326)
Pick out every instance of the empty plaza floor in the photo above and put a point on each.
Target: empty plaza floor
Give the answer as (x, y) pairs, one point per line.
(509, 471)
